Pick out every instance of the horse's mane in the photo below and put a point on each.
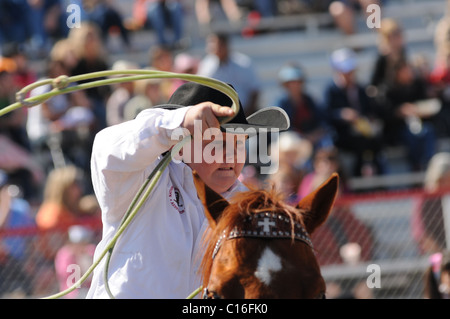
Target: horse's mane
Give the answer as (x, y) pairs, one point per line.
(242, 205)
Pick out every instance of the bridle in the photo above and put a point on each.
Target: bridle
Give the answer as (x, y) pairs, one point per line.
(269, 225)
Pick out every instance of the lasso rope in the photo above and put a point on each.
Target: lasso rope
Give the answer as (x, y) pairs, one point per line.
(61, 86)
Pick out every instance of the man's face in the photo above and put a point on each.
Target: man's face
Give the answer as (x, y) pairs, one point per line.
(222, 160)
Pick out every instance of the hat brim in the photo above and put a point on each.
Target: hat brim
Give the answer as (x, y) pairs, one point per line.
(264, 120)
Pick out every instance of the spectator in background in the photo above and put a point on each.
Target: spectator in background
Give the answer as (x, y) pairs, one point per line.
(23, 74)
(266, 8)
(185, 63)
(164, 15)
(231, 67)
(344, 12)
(21, 167)
(437, 276)
(292, 155)
(15, 213)
(439, 77)
(391, 50)
(121, 94)
(14, 21)
(292, 149)
(64, 50)
(60, 209)
(441, 72)
(45, 122)
(12, 124)
(91, 57)
(33, 23)
(257, 9)
(305, 116)
(105, 16)
(48, 22)
(325, 161)
(408, 109)
(203, 11)
(353, 116)
(15, 155)
(428, 220)
(7, 64)
(62, 194)
(161, 59)
(147, 93)
(138, 19)
(286, 180)
(79, 252)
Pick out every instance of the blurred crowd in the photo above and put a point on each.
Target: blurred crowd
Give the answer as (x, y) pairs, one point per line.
(45, 149)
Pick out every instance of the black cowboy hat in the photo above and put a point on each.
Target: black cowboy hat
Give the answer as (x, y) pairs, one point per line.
(192, 93)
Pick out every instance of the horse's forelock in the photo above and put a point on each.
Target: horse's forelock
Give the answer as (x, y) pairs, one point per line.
(242, 205)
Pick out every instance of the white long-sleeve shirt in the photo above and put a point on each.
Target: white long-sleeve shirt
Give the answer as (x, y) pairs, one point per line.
(158, 254)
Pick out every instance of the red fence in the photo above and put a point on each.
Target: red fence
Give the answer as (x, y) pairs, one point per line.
(393, 233)
(37, 263)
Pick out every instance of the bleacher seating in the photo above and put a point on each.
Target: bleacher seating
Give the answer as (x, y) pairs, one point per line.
(308, 39)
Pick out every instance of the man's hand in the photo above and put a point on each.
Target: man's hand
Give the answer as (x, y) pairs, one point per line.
(207, 113)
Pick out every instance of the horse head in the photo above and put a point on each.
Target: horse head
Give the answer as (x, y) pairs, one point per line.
(259, 247)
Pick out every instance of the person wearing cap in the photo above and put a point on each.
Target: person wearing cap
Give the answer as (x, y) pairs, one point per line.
(354, 116)
(159, 253)
(305, 116)
(15, 213)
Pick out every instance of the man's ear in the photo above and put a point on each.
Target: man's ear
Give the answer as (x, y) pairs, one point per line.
(317, 205)
(213, 203)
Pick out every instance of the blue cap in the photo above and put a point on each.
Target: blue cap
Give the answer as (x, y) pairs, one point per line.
(291, 73)
(343, 60)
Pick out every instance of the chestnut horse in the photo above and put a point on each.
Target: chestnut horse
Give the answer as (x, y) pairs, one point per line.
(259, 247)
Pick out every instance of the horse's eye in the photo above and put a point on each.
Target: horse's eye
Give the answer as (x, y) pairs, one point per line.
(321, 296)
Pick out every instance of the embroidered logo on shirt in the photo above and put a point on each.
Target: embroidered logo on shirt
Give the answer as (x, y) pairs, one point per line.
(176, 200)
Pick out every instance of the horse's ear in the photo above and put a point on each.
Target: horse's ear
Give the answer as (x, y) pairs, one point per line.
(213, 203)
(317, 205)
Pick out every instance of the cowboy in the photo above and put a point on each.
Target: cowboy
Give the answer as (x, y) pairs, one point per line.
(159, 253)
